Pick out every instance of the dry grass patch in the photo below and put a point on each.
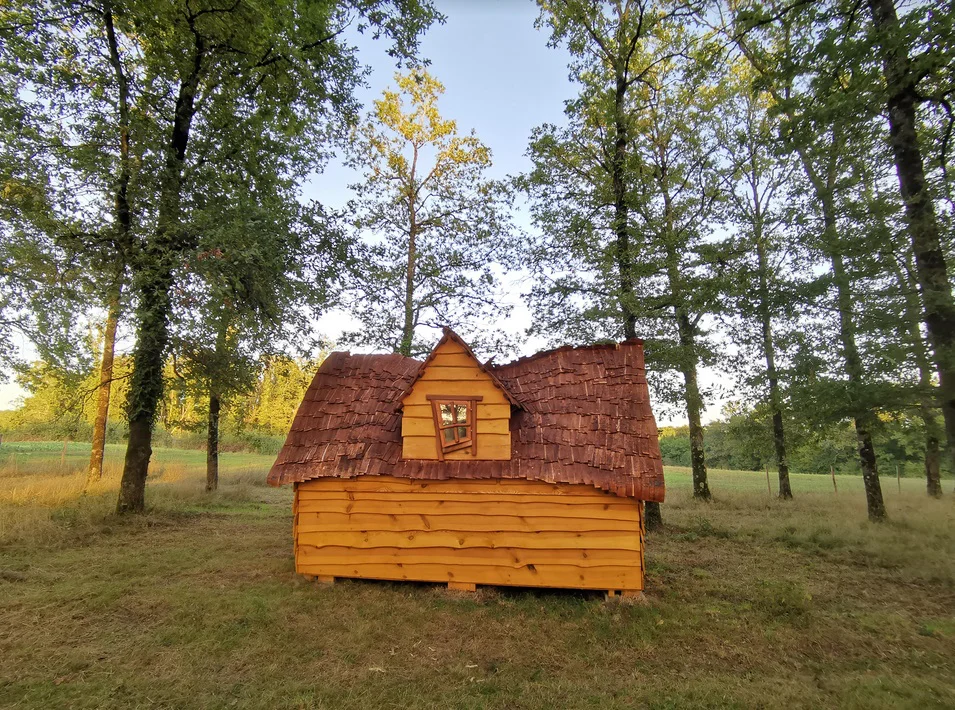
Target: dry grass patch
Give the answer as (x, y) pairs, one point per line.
(45, 499)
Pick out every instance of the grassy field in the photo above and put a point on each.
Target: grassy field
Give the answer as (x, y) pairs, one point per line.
(751, 603)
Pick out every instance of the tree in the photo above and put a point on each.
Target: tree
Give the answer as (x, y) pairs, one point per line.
(912, 354)
(121, 240)
(278, 391)
(903, 93)
(434, 224)
(820, 104)
(245, 81)
(757, 180)
(56, 400)
(614, 193)
(128, 107)
(263, 266)
(927, 396)
(678, 282)
(65, 158)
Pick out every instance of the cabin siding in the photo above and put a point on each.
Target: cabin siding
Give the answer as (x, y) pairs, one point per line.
(452, 371)
(469, 531)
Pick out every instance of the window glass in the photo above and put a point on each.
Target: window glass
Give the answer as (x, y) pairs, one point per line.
(447, 414)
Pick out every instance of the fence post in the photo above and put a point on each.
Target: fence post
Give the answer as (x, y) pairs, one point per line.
(768, 487)
(898, 476)
(832, 472)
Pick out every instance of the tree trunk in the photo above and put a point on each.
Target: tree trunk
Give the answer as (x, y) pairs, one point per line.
(701, 486)
(847, 332)
(689, 362)
(95, 472)
(154, 281)
(132, 488)
(652, 516)
(769, 351)
(123, 219)
(621, 209)
(212, 443)
(933, 435)
(824, 189)
(922, 224)
(146, 386)
(933, 480)
(407, 331)
(862, 417)
(870, 471)
(694, 408)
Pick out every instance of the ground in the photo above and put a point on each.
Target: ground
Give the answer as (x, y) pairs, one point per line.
(752, 602)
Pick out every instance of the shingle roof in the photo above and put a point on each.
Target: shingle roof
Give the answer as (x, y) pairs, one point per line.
(586, 419)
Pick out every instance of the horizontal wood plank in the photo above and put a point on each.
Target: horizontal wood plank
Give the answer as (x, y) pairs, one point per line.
(462, 586)
(491, 442)
(485, 388)
(495, 509)
(490, 447)
(318, 536)
(483, 486)
(361, 522)
(484, 411)
(453, 359)
(480, 499)
(513, 557)
(495, 532)
(559, 576)
(464, 374)
(450, 347)
(412, 426)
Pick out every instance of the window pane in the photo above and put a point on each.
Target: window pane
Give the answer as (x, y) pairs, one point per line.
(462, 413)
(447, 414)
(462, 433)
(449, 436)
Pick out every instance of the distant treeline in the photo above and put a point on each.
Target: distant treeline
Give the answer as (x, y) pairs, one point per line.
(738, 441)
(61, 406)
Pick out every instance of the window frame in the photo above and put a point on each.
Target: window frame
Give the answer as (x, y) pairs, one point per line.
(452, 400)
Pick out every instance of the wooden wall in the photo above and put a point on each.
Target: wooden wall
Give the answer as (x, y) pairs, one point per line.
(454, 372)
(469, 532)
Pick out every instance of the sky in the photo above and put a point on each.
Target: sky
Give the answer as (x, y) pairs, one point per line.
(501, 80)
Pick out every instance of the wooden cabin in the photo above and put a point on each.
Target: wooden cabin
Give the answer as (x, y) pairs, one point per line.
(532, 473)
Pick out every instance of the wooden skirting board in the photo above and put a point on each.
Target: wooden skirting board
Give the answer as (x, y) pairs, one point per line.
(633, 594)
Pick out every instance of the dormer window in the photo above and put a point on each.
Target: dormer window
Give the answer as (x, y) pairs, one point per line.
(454, 423)
(452, 402)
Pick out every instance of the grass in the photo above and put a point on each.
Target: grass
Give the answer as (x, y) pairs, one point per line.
(751, 602)
(44, 499)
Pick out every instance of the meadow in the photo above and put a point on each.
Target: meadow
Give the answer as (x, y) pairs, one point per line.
(751, 602)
